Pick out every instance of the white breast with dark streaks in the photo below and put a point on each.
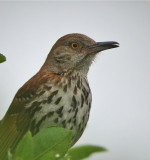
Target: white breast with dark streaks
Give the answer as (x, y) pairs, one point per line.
(66, 104)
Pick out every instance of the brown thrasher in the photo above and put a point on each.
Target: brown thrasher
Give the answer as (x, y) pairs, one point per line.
(58, 95)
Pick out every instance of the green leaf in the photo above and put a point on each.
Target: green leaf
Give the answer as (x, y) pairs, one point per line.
(9, 155)
(49, 156)
(18, 158)
(81, 152)
(66, 157)
(25, 148)
(53, 139)
(2, 58)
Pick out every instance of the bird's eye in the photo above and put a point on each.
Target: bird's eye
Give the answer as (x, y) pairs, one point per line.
(74, 45)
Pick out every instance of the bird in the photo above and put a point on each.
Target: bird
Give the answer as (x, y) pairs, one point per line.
(57, 95)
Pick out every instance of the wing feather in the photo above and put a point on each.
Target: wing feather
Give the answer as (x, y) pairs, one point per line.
(16, 122)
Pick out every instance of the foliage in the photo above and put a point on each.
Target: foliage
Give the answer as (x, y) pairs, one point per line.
(51, 143)
(2, 58)
(84, 151)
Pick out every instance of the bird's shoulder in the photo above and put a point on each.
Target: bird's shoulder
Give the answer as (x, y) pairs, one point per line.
(29, 91)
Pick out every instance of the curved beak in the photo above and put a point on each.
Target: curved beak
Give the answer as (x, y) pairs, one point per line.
(100, 46)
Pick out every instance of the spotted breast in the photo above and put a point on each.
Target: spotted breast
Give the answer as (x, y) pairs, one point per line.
(64, 103)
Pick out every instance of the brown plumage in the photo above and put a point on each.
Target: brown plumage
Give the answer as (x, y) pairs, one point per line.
(58, 94)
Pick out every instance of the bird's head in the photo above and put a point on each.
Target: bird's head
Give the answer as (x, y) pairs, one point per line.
(75, 52)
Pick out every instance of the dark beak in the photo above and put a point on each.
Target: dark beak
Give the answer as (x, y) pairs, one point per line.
(100, 46)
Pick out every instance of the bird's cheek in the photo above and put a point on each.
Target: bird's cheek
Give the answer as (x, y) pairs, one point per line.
(83, 51)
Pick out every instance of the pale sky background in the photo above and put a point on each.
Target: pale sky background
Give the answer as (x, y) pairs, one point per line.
(119, 78)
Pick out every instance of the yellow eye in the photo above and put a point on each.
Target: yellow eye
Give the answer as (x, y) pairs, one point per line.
(74, 45)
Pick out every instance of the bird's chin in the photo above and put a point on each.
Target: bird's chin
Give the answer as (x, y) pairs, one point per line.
(87, 60)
